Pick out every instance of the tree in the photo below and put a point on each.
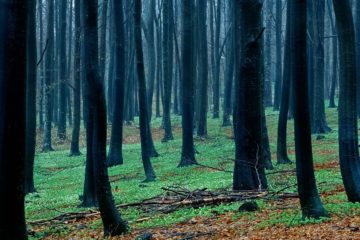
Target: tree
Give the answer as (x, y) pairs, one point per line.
(216, 55)
(75, 151)
(249, 173)
(203, 71)
(311, 205)
(150, 38)
(62, 74)
(229, 71)
(268, 54)
(348, 129)
(281, 149)
(115, 153)
(145, 133)
(319, 117)
(168, 47)
(13, 56)
(357, 46)
(334, 57)
(278, 70)
(30, 98)
(188, 150)
(49, 56)
(96, 125)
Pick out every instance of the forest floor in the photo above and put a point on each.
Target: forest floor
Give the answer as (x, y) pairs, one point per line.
(59, 182)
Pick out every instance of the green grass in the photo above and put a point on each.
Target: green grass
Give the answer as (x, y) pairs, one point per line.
(59, 178)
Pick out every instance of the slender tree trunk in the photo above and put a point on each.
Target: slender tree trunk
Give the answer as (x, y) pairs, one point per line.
(203, 71)
(281, 151)
(278, 70)
(102, 43)
(49, 64)
(62, 74)
(268, 55)
(229, 61)
(75, 150)
(216, 78)
(188, 151)
(31, 98)
(310, 202)
(150, 37)
(115, 153)
(145, 133)
(319, 122)
(96, 128)
(168, 15)
(334, 56)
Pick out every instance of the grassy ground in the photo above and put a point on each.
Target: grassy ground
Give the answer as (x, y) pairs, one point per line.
(59, 181)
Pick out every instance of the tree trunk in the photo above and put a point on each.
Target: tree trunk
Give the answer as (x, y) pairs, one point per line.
(278, 70)
(203, 71)
(31, 98)
(249, 173)
(229, 61)
(145, 133)
(348, 129)
(96, 128)
(319, 123)
(268, 55)
(74, 150)
(168, 48)
(310, 202)
(334, 78)
(281, 150)
(49, 64)
(62, 74)
(13, 39)
(188, 151)
(115, 152)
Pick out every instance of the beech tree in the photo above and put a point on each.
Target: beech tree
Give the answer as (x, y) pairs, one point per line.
(96, 125)
(310, 202)
(348, 129)
(14, 16)
(249, 173)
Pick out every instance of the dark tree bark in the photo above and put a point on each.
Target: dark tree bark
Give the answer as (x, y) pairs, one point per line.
(268, 55)
(203, 71)
(278, 70)
(13, 39)
(348, 129)
(49, 56)
(31, 98)
(319, 123)
(311, 205)
(249, 173)
(188, 150)
(229, 61)
(102, 43)
(62, 74)
(334, 78)
(217, 60)
(145, 133)
(150, 38)
(41, 66)
(168, 47)
(311, 20)
(74, 150)
(96, 126)
(357, 39)
(115, 153)
(281, 150)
